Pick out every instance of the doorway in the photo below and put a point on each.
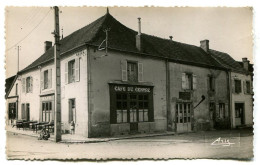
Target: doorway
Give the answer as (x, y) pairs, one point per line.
(72, 111)
(239, 114)
(183, 117)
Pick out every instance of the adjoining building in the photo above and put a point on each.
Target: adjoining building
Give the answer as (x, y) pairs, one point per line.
(143, 84)
(241, 93)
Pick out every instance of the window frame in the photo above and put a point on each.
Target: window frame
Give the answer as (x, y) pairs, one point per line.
(28, 84)
(237, 89)
(132, 77)
(45, 79)
(71, 71)
(248, 87)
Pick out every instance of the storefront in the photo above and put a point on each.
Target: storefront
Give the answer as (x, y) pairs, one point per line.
(131, 108)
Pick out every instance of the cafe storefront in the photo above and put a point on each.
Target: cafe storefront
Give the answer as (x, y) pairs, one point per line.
(131, 109)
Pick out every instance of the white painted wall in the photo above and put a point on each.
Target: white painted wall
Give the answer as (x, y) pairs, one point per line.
(247, 99)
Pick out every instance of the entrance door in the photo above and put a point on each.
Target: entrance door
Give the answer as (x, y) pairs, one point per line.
(212, 112)
(239, 114)
(183, 117)
(27, 112)
(133, 113)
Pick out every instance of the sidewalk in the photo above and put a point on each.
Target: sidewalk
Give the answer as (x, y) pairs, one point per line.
(68, 138)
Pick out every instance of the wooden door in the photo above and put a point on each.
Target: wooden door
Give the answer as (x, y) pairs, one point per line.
(183, 117)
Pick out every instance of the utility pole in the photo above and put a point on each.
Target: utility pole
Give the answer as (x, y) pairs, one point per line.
(18, 49)
(57, 120)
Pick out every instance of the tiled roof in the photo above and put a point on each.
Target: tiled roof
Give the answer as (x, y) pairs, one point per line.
(227, 61)
(123, 38)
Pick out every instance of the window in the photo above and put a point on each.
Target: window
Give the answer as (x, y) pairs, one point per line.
(248, 88)
(237, 86)
(121, 107)
(12, 111)
(221, 112)
(143, 108)
(72, 110)
(46, 79)
(26, 112)
(28, 84)
(71, 70)
(189, 81)
(47, 112)
(23, 111)
(211, 83)
(132, 71)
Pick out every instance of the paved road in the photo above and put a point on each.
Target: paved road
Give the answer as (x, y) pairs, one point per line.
(213, 144)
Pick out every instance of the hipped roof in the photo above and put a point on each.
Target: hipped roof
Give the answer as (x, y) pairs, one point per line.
(123, 38)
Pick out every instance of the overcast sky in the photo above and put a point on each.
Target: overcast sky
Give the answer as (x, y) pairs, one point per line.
(228, 29)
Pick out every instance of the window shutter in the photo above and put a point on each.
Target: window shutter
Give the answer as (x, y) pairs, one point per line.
(77, 72)
(251, 88)
(194, 81)
(66, 72)
(183, 84)
(233, 86)
(214, 83)
(31, 84)
(23, 84)
(244, 87)
(140, 72)
(124, 70)
(50, 78)
(70, 113)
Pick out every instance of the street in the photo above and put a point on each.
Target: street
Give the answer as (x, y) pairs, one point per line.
(211, 144)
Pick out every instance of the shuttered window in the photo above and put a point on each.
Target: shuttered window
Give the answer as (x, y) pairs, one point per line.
(237, 84)
(189, 81)
(28, 84)
(72, 71)
(132, 71)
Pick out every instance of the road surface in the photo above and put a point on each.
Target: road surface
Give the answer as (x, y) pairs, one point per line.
(212, 144)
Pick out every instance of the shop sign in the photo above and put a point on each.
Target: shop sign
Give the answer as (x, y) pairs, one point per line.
(47, 98)
(132, 89)
(81, 53)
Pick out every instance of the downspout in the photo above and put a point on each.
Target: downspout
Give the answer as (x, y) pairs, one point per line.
(168, 105)
(89, 88)
(230, 98)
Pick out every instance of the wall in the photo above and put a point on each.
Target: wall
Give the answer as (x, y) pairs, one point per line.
(201, 113)
(107, 69)
(79, 92)
(242, 97)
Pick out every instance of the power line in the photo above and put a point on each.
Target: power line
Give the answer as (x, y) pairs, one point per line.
(29, 32)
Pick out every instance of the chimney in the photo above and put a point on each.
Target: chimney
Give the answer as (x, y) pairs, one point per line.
(138, 36)
(170, 37)
(47, 45)
(245, 63)
(204, 44)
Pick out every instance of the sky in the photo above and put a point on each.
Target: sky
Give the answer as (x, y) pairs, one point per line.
(227, 29)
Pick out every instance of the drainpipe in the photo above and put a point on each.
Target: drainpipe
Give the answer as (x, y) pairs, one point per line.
(168, 103)
(89, 88)
(229, 81)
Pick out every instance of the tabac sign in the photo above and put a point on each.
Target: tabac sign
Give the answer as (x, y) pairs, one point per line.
(136, 89)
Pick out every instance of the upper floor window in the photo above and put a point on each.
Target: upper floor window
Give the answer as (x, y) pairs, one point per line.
(46, 79)
(248, 87)
(237, 86)
(72, 71)
(132, 71)
(211, 83)
(189, 81)
(27, 84)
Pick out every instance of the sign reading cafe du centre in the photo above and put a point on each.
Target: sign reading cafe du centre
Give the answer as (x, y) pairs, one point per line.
(135, 89)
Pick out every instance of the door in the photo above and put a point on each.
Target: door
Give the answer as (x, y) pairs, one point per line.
(212, 113)
(183, 117)
(239, 114)
(133, 113)
(27, 118)
(72, 111)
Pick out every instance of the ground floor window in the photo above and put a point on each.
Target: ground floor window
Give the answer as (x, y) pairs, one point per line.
(183, 112)
(131, 104)
(47, 111)
(12, 111)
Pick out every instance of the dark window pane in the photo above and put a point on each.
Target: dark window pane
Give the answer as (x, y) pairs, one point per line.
(118, 96)
(145, 97)
(124, 105)
(145, 104)
(185, 119)
(133, 97)
(118, 105)
(124, 96)
(50, 106)
(141, 105)
(141, 97)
